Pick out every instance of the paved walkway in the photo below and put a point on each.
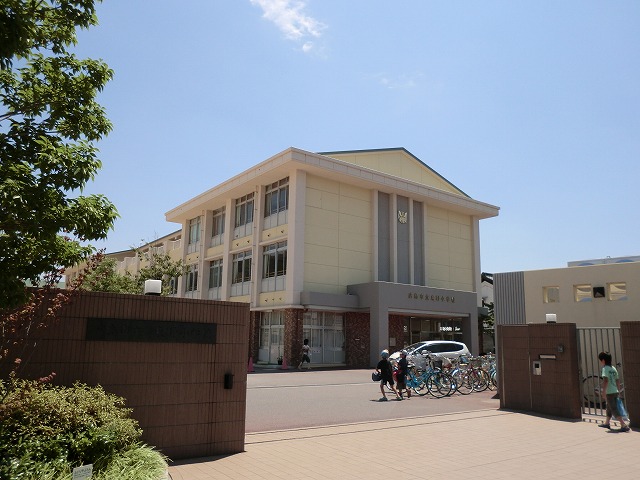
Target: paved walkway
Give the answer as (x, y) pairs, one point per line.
(485, 444)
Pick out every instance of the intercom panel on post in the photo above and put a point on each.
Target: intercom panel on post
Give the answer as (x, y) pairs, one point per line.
(537, 367)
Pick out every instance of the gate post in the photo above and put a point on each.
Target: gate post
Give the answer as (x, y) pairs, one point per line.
(630, 336)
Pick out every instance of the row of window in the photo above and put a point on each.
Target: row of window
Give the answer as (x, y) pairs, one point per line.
(614, 291)
(276, 200)
(274, 264)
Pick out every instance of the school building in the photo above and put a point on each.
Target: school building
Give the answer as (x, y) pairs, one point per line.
(354, 250)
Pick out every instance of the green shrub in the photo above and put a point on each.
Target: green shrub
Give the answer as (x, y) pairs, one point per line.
(61, 428)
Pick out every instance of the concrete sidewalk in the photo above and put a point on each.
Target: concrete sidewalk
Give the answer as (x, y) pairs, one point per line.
(485, 444)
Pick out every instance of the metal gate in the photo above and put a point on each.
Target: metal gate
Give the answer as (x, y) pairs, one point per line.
(592, 341)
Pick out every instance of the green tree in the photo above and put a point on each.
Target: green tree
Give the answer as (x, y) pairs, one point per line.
(105, 278)
(161, 267)
(49, 121)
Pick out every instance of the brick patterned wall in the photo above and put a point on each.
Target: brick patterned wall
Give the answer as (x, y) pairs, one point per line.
(254, 336)
(396, 330)
(557, 390)
(176, 390)
(293, 336)
(357, 339)
(630, 339)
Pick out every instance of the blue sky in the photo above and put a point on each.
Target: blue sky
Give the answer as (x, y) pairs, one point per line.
(530, 106)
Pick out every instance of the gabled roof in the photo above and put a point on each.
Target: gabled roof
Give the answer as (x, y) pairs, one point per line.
(389, 170)
(398, 162)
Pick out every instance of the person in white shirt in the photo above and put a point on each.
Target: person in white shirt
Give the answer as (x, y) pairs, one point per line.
(306, 349)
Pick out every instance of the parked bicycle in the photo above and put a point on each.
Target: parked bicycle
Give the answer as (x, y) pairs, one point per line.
(469, 376)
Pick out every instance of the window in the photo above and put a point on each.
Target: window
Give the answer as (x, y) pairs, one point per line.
(276, 197)
(274, 267)
(173, 286)
(241, 274)
(215, 274)
(194, 234)
(215, 280)
(582, 293)
(617, 291)
(244, 210)
(242, 267)
(217, 231)
(274, 260)
(276, 203)
(192, 278)
(551, 294)
(244, 216)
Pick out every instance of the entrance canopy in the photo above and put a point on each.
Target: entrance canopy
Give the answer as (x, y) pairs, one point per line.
(383, 298)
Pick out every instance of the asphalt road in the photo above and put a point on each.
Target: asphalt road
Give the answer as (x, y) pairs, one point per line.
(280, 400)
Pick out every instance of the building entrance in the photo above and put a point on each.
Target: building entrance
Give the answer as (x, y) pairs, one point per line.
(325, 331)
(417, 329)
(271, 336)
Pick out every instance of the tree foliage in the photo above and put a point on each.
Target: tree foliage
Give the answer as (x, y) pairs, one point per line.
(18, 325)
(158, 266)
(49, 121)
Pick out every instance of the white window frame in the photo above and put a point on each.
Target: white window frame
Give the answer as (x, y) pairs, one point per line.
(217, 227)
(241, 273)
(193, 235)
(215, 273)
(243, 221)
(274, 267)
(191, 281)
(276, 203)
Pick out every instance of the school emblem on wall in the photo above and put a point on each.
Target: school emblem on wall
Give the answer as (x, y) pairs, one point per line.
(402, 216)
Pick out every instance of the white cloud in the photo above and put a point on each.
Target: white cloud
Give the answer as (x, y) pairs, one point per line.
(399, 81)
(289, 17)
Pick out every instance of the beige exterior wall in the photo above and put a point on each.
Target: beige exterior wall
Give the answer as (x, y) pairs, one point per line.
(128, 262)
(450, 260)
(596, 312)
(399, 164)
(338, 236)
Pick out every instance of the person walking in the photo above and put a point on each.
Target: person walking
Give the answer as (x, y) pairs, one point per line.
(306, 349)
(610, 390)
(401, 375)
(384, 369)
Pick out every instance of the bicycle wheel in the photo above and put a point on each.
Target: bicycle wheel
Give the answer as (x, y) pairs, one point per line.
(440, 384)
(419, 386)
(480, 380)
(463, 384)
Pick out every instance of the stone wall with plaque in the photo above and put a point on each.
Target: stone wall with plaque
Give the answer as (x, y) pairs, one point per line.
(168, 357)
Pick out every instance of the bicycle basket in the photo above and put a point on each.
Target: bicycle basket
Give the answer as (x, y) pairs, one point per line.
(437, 364)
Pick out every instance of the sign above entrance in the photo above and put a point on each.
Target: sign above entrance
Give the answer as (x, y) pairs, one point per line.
(432, 298)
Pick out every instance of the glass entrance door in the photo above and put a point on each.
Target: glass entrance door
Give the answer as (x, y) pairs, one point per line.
(420, 329)
(325, 332)
(271, 337)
